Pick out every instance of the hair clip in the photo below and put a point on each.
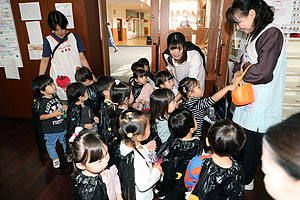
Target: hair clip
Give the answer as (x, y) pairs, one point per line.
(129, 115)
(129, 135)
(117, 82)
(183, 89)
(75, 134)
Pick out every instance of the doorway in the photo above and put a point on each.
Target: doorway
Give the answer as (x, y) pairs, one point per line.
(119, 25)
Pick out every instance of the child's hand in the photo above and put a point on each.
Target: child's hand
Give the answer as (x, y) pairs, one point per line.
(96, 120)
(158, 166)
(231, 87)
(65, 107)
(88, 126)
(119, 197)
(57, 113)
(151, 145)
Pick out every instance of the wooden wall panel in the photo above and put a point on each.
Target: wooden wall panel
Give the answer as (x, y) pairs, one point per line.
(16, 95)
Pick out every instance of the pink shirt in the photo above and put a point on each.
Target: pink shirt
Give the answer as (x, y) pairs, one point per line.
(112, 182)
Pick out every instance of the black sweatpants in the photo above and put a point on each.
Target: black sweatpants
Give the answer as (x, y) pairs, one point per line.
(250, 155)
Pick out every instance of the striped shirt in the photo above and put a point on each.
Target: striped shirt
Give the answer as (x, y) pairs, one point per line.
(197, 106)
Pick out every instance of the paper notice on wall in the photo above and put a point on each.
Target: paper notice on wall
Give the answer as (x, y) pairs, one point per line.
(35, 51)
(9, 46)
(34, 32)
(66, 9)
(30, 11)
(11, 69)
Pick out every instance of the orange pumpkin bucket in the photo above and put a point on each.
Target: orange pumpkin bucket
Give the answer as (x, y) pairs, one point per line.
(243, 94)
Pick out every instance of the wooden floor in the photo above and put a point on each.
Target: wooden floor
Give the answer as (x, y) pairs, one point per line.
(137, 41)
(23, 177)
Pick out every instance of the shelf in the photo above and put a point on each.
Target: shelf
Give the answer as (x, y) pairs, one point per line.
(292, 86)
(291, 99)
(288, 111)
(293, 55)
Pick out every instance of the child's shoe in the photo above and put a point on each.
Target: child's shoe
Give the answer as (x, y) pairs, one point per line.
(56, 163)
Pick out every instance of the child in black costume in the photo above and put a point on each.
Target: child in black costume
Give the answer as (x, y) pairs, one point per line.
(48, 112)
(176, 153)
(92, 178)
(78, 113)
(218, 175)
(85, 76)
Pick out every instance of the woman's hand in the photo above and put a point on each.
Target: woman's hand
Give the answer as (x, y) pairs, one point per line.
(236, 76)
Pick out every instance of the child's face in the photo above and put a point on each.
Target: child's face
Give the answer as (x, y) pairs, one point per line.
(49, 90)
(172, 106)
(95, 168)
(196, 92)
(146, 68)
(141, 79)
(168, 84)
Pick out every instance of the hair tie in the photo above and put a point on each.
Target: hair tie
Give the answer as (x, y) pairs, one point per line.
(129, 115)
(129, 135)
(75, 134)
(117, 82)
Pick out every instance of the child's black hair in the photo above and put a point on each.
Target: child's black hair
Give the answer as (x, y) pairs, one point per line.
(162, 77)
(119, 91)
(226, 138)
(139, 73)
(74, 91)
(87, 147)
(57, 18)
(159, 103)
(186, 85)
(104, 83)
(40, 83)
(136, 65)
(83, 74)
(180, 122)
(144, 61)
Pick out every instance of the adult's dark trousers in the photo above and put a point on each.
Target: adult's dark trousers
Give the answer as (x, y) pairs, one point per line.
(249, 157)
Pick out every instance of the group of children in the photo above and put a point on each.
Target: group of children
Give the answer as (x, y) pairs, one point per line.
(140, 139)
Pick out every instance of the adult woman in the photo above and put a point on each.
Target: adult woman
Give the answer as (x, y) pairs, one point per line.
(67, 56)
(265, 50)
(184, 59)
(281, 159)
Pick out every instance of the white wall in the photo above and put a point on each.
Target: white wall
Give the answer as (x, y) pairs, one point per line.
(112, 18)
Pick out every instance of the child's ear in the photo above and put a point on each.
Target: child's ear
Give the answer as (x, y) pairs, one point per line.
(106, 92)
(162, 85)
(207, 142)
(42, 92)
(80, 166)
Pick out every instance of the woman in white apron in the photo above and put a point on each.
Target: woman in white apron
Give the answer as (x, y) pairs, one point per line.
(265, 50)
(65, 49)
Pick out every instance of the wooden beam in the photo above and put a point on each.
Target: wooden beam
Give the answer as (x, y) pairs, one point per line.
(164, 30)
(154, 35)
(104, 37)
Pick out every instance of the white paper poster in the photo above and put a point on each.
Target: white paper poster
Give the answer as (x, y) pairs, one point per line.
(66, 9)
(35, 51)
(30, 11)
(9, 45)
(11, 69)
(34, 32)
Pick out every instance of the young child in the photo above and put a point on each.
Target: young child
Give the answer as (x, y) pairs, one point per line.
(162, 103)
(180, 148)
(92, 178)
(85, 76)
(103, 88)
(218, 175)
(142, 90)
(49, 114)
(149, 75)
(78, 113)
(164, 79)
(134, 128)
(192, 93)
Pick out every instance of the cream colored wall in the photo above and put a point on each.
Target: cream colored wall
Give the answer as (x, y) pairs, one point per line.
(112, 18)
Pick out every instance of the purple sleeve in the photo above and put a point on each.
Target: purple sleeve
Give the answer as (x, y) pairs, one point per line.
(268, 47)
(46, 48)
(79, 44)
